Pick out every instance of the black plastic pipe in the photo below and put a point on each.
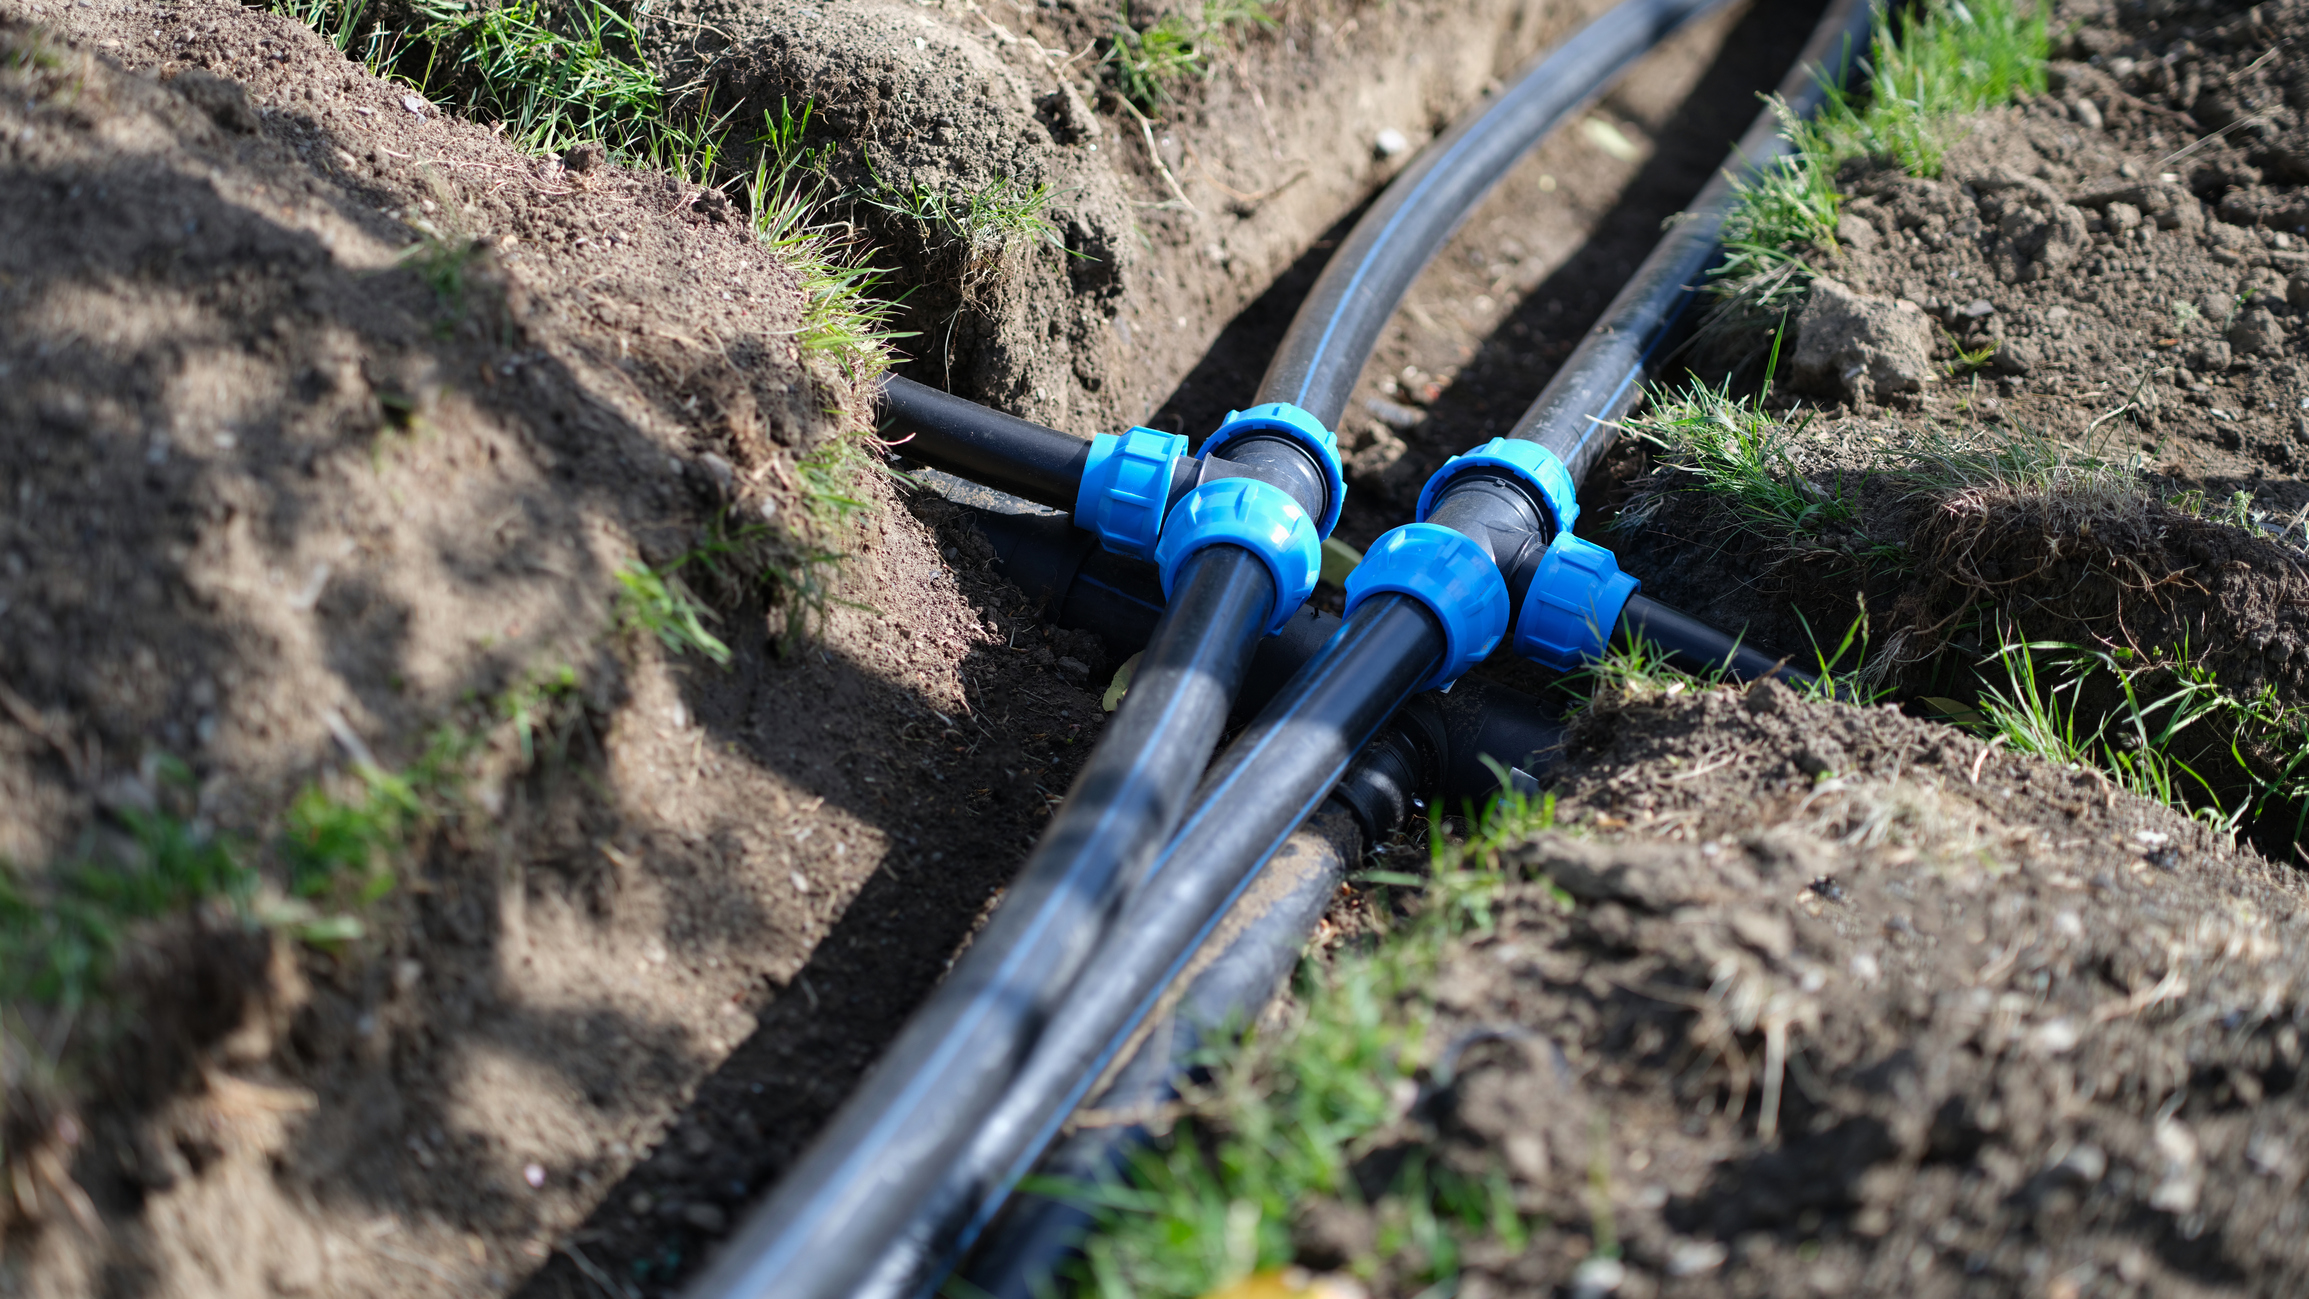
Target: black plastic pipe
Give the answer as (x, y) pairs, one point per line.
(825, 1224)
(1004, 452)
(1439, 744)
(1265, 784)
(1336, 327)
(877, 1167)
(1697, 647)
(1239, 970)
(878, 1162)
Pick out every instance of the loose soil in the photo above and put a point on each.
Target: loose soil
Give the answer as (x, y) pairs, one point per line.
(1809, 999)
(2129, 274)
(2131, 247)
(272, 483)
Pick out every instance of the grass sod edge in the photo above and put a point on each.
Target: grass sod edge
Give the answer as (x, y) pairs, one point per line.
(2164, 728)
(557, 77)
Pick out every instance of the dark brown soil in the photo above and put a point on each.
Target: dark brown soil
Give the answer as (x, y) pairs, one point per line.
(2130, 281)
(269, 481)
(1845, 1003)
(2187, 315)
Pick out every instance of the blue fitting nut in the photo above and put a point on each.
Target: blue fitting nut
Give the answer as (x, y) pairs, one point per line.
(1261, 518)
(1284, 419)
(1574, 602)
(1449, 574)
(1529, 461)
(1125, 485)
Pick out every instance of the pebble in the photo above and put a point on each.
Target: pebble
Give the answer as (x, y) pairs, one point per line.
(1390, 143)
(534, 1174)
(1692, 1257)
(1598, 1277)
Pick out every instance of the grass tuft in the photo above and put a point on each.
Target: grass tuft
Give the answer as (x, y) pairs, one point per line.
(790, 194)
(2173, 733)
(1976, 516)
(1143, 65)
(982, 234)
(1945, 59)
(1286, 1118)
(655, 601)
(328, 839)
(58, 937)
(1738, 452)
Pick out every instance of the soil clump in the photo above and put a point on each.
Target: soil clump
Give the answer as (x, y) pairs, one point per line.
(1804, 998)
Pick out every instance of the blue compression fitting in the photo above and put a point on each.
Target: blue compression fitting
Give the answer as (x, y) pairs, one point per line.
(1452, 576)
(1257, 516)
(1125, 485)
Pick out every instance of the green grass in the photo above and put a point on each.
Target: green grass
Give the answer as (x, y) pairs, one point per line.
(330, 839)
(1944, 60)
(2237, 511)
(537, 706)
(59, 935)
(2162, 727)
(983, 232)
(656, 602)
(1737, 452)
(33, 54)
(2174, 735)
(1286, 1116)
(791, 195)
(335, 850)
(1143, 65)
(554, 75)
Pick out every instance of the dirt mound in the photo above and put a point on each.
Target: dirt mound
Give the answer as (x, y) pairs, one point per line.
(353, 458)
(1812, 999)
(2132, 240)
(1066, 261)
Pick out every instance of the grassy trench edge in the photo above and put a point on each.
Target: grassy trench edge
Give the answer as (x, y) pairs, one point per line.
(556, 76)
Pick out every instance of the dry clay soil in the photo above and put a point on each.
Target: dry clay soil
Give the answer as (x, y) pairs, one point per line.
(276, 497)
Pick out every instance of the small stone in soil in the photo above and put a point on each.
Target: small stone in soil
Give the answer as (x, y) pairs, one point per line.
(534, 1174)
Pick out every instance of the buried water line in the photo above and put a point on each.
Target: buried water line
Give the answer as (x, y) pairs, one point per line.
(1422, 610)
(1435, 742)
(1236, 531)
(1223, 528)
(1394, 642)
